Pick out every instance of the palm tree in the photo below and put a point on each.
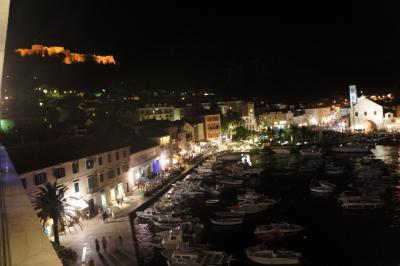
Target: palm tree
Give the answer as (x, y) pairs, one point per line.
(51, 204)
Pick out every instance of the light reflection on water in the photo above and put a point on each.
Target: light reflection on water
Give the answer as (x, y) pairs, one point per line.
(389, 155)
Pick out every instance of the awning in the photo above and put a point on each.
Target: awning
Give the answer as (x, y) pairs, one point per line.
(78, 204)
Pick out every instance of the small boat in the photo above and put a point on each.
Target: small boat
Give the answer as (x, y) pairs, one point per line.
(251, 208)
(326, 184)
(318, 188)
(360, 203)
(227, 221)
(212, 201)
(283, 228)
(170, 240)
(262, 255)
(334, 170)
(146, 214)
(185, 255)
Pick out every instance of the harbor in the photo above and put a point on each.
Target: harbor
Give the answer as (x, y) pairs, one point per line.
(277, 208)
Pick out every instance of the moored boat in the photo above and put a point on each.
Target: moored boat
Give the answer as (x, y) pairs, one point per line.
(262, 255)
(227, 221)
(283, 228)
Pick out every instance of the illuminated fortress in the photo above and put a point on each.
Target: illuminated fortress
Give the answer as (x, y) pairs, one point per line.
(68, 57)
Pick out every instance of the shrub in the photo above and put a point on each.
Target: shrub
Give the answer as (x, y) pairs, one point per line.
(67, 255)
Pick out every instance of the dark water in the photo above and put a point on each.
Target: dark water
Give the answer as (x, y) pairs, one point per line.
(331, 236)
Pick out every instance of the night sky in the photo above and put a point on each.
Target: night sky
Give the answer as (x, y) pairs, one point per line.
(281, 51)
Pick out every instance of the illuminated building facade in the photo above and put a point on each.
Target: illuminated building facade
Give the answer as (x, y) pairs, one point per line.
(95, 171)
(278, 119)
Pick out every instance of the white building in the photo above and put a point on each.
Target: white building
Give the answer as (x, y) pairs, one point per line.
(366, 115)
(278, 119)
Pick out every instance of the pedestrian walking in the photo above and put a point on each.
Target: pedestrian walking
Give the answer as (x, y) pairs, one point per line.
(118, 202)
(104, 242)
(87, 215)
(97, 245)
(120, 241)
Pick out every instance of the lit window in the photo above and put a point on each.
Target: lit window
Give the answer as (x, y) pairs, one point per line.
(89, 164)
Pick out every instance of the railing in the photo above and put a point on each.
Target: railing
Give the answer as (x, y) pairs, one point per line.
(5, 257)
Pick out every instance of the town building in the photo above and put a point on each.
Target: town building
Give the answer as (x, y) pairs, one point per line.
(156, 112)
(277, 119)
(94, 170)
(366, 115)
(212, 127)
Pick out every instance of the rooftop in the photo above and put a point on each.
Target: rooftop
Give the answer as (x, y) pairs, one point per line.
(39, 155)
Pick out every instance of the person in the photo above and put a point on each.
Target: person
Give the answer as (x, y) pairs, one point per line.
(104, 242)
(120, 241)
(97, 245)
(104, 217)
(118, 202)
(87, 215)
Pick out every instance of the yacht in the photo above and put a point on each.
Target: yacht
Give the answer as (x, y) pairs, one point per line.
(262, 255)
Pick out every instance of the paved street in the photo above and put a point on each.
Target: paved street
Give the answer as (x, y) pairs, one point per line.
(95, 228)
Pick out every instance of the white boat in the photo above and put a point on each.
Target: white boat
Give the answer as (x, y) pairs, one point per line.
(212, 201)
(281, 151)
(327, 184)
(351, 149)
(170, 240)
(227, 221)
(251, 208)
(334, 170)
(318, 188)
(282, 228)
(360, 203)
(185, 255)
(146, 214)
(262, 255)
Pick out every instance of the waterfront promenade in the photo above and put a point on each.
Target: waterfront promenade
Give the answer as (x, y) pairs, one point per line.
(83, 240)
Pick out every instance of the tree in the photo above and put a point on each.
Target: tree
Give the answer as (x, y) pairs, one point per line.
(51, 204)
(241, 133)
(294, 133)
(229, 122)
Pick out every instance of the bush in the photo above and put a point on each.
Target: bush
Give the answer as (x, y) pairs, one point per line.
(67, 255)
